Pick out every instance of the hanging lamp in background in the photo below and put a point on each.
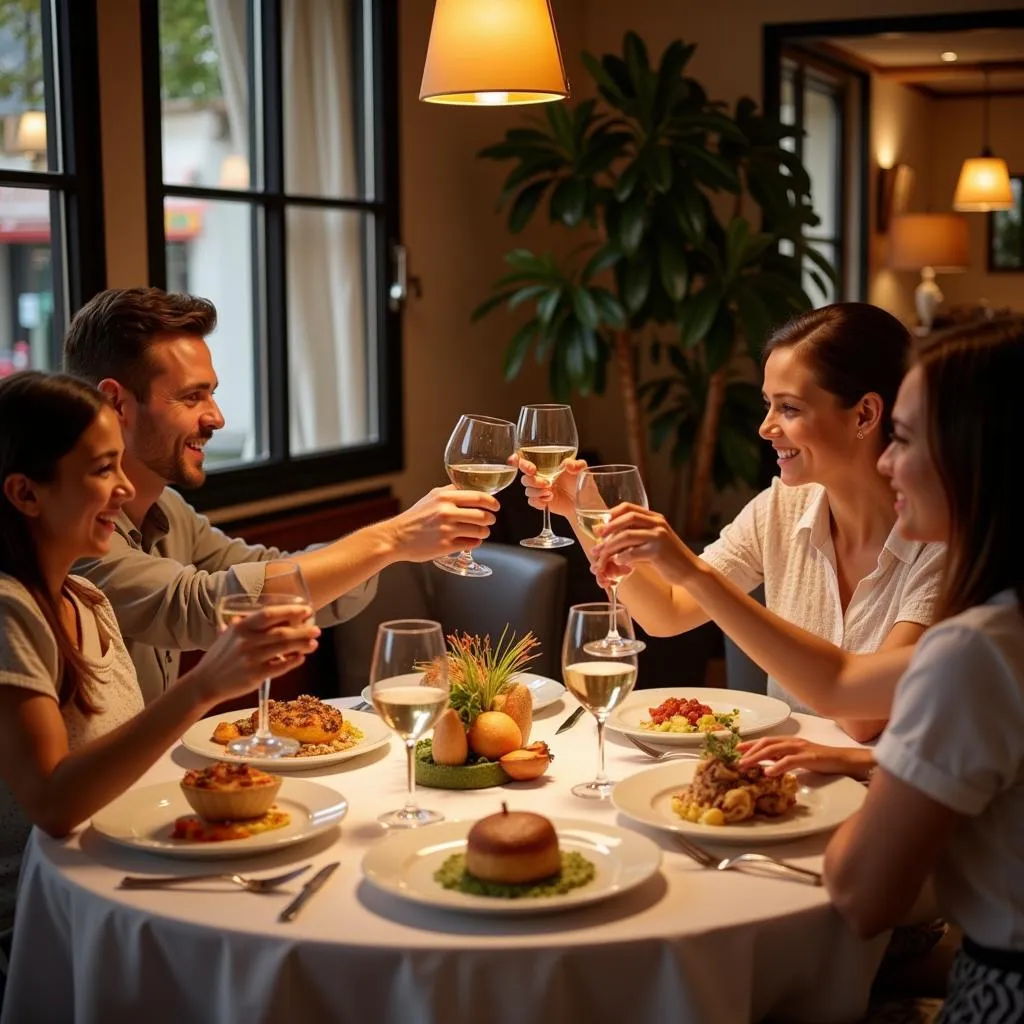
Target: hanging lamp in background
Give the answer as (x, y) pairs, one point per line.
(984, 183)
(493, 53)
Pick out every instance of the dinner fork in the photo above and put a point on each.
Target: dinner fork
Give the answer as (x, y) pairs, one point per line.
(706, 859)
(249, 884)
(655, 752)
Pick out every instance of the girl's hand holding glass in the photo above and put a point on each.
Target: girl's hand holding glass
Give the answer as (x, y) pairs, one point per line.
(558, 497)
(635, 534)
(546, 438)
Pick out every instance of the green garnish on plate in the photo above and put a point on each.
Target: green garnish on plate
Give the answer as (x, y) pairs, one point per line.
(576, 871)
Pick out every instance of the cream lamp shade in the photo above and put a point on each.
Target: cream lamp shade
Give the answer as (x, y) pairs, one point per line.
(928, 242)
(984, 185)
(493, 53)
(234, 171)
(30, 136)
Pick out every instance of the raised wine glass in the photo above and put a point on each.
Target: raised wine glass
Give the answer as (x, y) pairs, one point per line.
(598, 490)
(284, 585)
(476, 459)
(409, 689)
(546, 435)
(598, 682)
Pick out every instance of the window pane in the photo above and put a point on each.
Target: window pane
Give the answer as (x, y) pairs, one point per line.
(322, 123)
(204, 75)
(209, 247)
(26, 281)
(331, 368)
(821, 156)
(818, 295)
(26, 105)
(1008, 232)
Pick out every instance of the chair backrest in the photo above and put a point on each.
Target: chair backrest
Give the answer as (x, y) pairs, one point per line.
(741, 672)
(526, 592)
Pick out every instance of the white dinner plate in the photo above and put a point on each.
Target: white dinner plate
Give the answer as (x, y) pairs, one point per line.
(823, 802)
(757, 712)
(403, 864)
(143, 818)
(543, 690)
(199, 739)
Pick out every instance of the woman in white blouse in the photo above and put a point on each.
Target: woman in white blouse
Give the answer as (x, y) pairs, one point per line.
(822, 537)
(73, 730)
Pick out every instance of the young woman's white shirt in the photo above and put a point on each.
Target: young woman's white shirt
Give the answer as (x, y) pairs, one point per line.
(957, 735)
(783, 538)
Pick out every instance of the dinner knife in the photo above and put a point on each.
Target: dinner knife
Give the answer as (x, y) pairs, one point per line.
(309, 889)
(570, 721)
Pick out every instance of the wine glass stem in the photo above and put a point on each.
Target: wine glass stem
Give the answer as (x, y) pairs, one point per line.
(613, 613)
(263, 728)
(546, 531)
(601, 777)
(410, 798)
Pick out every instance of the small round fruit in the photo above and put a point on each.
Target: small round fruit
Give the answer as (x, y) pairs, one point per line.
(524, 764)
(449, 742)
(493, 734)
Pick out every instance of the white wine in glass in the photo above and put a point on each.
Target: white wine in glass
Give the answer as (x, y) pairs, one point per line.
(409, 689)
(284, 585)
(476, 459)
(598, 490)
(546, 435)
(599, 682)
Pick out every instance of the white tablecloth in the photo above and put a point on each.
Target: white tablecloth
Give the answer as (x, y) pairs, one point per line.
(689, 946)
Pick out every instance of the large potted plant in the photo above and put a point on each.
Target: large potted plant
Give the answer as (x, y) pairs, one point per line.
(691, 219)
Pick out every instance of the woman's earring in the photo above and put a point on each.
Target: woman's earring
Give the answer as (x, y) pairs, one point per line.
(860, 435)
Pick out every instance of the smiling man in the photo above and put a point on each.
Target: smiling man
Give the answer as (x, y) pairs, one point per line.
(168, 566)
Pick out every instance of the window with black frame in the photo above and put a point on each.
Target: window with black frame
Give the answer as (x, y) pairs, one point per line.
(813, 100)
(272, 142)
(1006, 231)
(51, 242)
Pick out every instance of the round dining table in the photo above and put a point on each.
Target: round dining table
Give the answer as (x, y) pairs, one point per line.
(688, 945)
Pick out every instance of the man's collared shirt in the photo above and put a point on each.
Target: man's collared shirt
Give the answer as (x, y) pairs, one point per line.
(164, 581)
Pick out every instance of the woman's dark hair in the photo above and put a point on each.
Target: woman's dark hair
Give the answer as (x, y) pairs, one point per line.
(974, 419)
(42, 416)
(111, 334)
(853, 349)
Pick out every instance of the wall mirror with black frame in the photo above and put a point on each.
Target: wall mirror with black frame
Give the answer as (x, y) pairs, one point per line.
(272, 186)
(51, 240)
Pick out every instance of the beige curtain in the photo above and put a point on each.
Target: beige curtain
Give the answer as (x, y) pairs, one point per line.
(327, 315)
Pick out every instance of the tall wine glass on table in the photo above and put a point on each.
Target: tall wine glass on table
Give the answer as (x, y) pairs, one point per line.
(546, 435)
(599, 682)
(598, 490)
(409, 689)
(476, 459)
(284, 585)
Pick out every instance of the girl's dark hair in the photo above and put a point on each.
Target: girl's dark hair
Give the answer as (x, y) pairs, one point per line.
(42, 416)
(974, 420)
(853, 348)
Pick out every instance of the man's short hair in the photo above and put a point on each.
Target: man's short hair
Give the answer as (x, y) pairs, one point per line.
(111, 334)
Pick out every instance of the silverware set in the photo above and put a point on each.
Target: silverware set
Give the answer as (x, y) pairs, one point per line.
(760, 862)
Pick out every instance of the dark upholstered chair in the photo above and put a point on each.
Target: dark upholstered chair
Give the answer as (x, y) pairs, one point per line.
(741, 672)
(526, 592)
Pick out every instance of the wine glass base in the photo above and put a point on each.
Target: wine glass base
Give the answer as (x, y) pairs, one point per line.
(462, 568)
(594, 790)
(263, 746)
(607, 648)
(552, 541)
(410, 819)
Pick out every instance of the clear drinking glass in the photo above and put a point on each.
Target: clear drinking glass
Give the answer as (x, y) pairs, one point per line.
(476, 459)
(285, 587)
(546, 435)
(409, 689)
(598, 490)
(598, 682)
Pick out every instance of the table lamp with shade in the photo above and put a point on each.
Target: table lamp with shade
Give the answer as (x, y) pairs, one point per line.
(931, 243)
(493, 53)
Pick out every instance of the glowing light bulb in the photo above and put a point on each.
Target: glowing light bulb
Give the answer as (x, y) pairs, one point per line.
(492, 99)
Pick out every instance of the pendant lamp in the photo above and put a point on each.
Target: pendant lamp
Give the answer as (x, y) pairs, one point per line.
(493, 53)
(984, 182)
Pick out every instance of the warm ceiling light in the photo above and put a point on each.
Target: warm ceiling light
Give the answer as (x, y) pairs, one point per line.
(30, 135)
(949, 56)
(493, 53)
(984, 183)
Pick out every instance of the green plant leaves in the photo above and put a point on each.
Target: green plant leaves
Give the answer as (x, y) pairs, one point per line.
(698, 314)
(524, 205)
